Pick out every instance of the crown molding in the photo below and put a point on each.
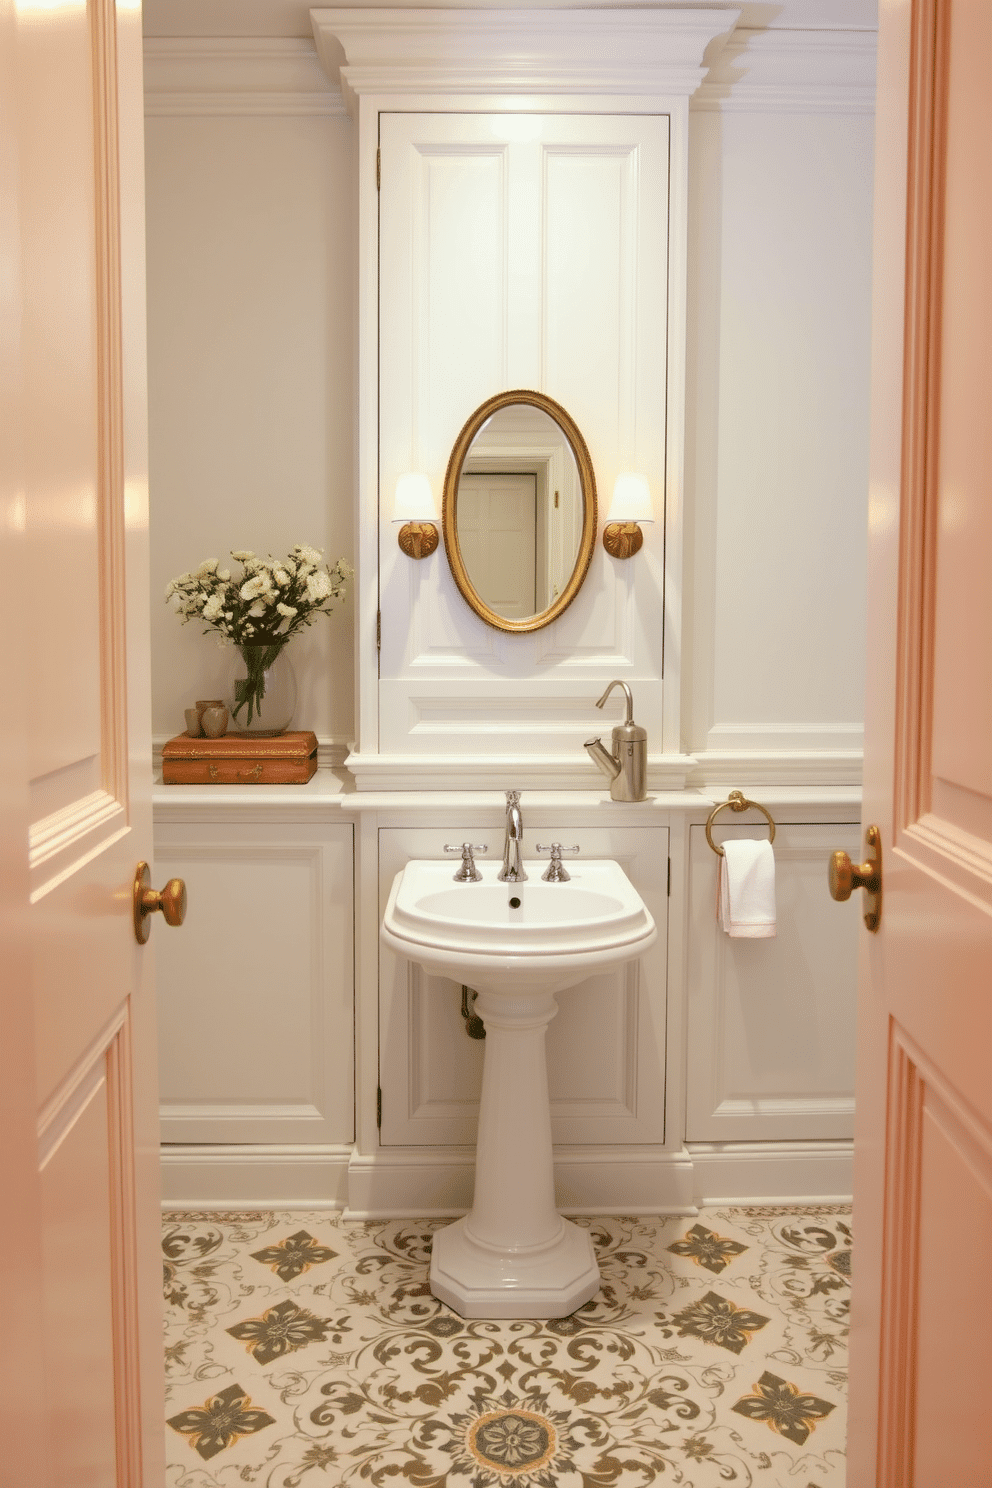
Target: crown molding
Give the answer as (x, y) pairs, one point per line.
(624, 52)
(791, 72)
(207, 76)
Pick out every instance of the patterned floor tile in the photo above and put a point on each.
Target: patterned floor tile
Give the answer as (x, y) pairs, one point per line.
(304, 1352)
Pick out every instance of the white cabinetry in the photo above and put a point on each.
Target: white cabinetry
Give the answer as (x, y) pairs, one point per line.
(256, 996)
(606, 1047)
(520, 251)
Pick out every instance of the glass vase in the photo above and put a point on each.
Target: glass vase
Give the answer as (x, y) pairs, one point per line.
(263, 691)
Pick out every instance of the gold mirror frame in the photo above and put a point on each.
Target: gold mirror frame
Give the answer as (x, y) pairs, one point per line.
(449, 509)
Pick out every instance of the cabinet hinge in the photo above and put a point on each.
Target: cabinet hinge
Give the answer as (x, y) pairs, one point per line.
(378, 1107)
(669, 878)
(378, 630)
(378, 169)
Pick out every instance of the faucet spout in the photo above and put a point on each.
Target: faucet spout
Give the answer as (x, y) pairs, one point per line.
(512, 870)
(597, 750)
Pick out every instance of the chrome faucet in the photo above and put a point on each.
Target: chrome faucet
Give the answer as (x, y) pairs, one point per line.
(512, 870)
(626, 767)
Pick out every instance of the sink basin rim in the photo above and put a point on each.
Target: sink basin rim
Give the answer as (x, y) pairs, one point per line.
(472, 943)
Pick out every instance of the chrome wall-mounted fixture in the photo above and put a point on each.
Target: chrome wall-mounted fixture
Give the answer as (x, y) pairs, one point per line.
(414, 506)
(629, 510)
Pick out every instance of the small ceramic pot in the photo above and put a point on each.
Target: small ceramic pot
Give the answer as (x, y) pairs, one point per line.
(193, 725)
(201, 705)
(214, 721)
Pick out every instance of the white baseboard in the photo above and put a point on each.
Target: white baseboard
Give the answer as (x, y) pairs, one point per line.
(771, 1172)
(438, 1183)
(255, 1176)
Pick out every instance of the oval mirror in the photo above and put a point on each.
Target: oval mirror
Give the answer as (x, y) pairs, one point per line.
(519, 511)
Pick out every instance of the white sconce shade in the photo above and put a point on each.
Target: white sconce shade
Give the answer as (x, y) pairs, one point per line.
(414, 500)
(631, 505)
(415, 507)
(631, 499)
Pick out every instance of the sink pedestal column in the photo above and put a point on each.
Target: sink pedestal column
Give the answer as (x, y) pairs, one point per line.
(514, 1256)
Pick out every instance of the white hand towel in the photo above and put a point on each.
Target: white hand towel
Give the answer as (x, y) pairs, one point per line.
(747, 888)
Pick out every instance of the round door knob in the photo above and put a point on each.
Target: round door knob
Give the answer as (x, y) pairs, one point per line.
(844, 877)
(171, 901)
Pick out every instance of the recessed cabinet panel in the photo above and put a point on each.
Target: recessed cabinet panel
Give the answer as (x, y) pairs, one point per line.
(256, 996)
(605, 1047)
(519, 251)
(771, 1022)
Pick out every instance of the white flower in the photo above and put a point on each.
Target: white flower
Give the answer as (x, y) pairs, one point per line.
(307, 555)
(318, 586)
(209, 566)
(170, 588)
(243, 555)
(224, 575)
(257, 609)
(286, 610)
(213, 608)
(178, 604)
(281, 577)
(260, 584)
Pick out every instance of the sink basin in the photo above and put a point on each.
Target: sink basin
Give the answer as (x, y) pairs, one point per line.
(548, 935)
(517, 944)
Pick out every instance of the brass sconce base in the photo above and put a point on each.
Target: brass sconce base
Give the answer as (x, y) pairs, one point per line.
(418, 539)
(622, 539)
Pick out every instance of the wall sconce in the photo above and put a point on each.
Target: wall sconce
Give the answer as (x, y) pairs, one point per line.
(416, 508)
(631, 504)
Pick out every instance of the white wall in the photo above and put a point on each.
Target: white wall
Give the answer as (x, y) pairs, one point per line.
(251, 269)
(779, 306)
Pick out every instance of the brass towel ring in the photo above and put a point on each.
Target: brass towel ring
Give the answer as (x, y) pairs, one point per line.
(737, 802)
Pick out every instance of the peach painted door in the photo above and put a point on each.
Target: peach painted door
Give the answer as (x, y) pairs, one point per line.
(922, 1312)
(73, 133)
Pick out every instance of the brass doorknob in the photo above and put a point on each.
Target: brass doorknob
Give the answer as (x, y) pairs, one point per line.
(171, 901)
(845, 877)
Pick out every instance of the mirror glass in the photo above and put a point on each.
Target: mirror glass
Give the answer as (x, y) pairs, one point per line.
(519, 511)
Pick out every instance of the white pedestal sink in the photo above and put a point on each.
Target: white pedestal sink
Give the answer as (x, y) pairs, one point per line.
(517, 944)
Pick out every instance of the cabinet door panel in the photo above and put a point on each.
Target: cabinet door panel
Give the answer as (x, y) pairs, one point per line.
(771, 1022)
(605, 1047)
(256, 997)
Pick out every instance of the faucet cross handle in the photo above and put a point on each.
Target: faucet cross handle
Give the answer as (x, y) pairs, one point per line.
(468, 872)
(556, 872)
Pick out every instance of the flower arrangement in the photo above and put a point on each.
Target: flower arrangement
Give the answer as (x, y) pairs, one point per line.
(260, 611)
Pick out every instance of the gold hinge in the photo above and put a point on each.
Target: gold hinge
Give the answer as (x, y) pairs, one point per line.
(378, 630)
(378, 1107)
(378, 169)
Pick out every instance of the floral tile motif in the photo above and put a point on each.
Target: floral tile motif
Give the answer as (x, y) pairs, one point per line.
(716, 1320)
(281, 1330)
(783, 1407)
(701, 1245)
(316, 1357)
(224, 1419)
(291, 1257)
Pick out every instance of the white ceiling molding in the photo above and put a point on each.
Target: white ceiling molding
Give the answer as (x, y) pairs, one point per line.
(221, 76)
(622, 52)
(792, 72)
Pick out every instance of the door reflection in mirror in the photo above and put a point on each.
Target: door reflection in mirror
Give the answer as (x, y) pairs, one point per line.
(517, 513)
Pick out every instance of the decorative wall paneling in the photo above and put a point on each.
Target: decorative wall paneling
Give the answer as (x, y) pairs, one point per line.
(779, 312)
(256, 1008)
(605, 1048)
(646, 1128)
(770, 1050)
(565, 135)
